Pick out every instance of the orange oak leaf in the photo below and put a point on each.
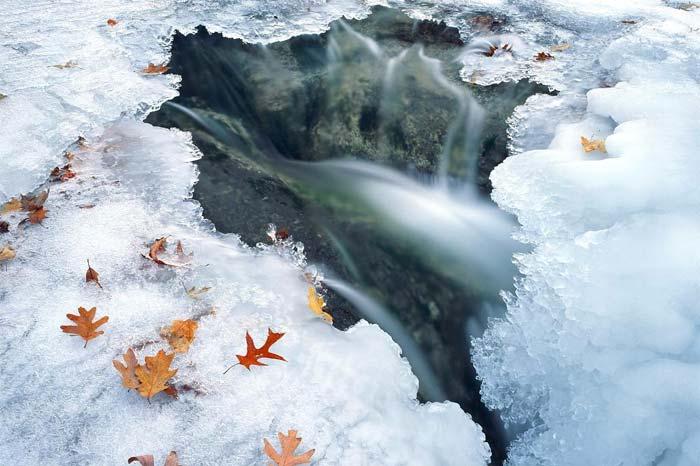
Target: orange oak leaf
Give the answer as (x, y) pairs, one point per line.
(147, 460)
(253, 354)
(180, 334)
(316, 304)
(289, 444)
(128, 371)
(86, 326)
(591, 145)
(155, 69)
(154, 374)
(112, 22)
(92, 276)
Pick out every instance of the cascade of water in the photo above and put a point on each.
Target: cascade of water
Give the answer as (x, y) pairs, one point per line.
(372, 311)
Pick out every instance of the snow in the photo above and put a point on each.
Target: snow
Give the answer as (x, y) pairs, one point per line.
(598, 354)
(350, 394)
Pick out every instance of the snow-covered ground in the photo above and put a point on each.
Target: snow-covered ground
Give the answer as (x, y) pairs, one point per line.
(599, 351)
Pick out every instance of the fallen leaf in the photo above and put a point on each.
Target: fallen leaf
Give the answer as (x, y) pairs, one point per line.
(155, 69)
(37, 216)
(7, 253)
(30, 203)
(628, 21)
(289, 443)
(196, 293)
(544, 56)
(13, 205)
(128, 371)
(560, 47)
(112, 22)
(64, 173)
(148, 460)
(316, 304)
(85, 328)
(70, 156)
(591, 145)
(154, 374)
(179, 259)
(171, 391)
(493, 50)
(92, 276)
(253, 354)
(180, 334)
(4, 226)
(68, 64)
(86, 206)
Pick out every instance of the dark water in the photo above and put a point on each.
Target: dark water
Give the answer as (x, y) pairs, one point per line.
(268, 118)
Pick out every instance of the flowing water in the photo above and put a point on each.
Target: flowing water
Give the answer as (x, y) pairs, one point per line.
(366, 146)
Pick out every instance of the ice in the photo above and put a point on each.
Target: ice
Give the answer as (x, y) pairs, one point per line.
(350, 394)
(599, 354)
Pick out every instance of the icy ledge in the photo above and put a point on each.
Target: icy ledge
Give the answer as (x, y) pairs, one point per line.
(600, 349)
(349, 394)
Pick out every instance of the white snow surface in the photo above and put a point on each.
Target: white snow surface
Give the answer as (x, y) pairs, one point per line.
(599, 353)
(350, 394)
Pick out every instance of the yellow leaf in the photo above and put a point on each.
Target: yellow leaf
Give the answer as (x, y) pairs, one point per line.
(154, 374)
(591, 145)
(180, 334)
(316, 304)
(7, 253)
(13, 205)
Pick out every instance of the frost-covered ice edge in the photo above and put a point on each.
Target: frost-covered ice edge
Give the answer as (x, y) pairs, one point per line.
(599, 350)
(349, 394)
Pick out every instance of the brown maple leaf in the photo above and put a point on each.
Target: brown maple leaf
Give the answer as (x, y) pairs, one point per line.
(155, 69)
(316, 304)
(147, 460)
(544, 56)
(179, 259)
(154, 374)
(92, 276)
(128, 371)
(289, 443)
(591, 145)
(180, 334)
(112, 22)
(253, 354)
(85, 328)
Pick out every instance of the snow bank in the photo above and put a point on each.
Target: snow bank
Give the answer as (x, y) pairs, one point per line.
(600, 350)
(349, 394)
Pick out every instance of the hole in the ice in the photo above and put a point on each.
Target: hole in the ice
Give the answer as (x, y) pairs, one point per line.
(404, 233)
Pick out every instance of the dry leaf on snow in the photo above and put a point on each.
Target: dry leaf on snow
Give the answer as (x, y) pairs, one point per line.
(289, 443)
(4, 226)
(128, 371)
(253, 354)
(37, 216)
(86, 327)
(13, 205)
(147, 460)
(63, 173)
(155, 69)
(560, 47)
(591, 145)
(196, 293)
(112, 22)
(91, 275)
(316, 304)
(154, 374)
(7, 253)
(180, 334)
(544, 56)
(157, 253)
